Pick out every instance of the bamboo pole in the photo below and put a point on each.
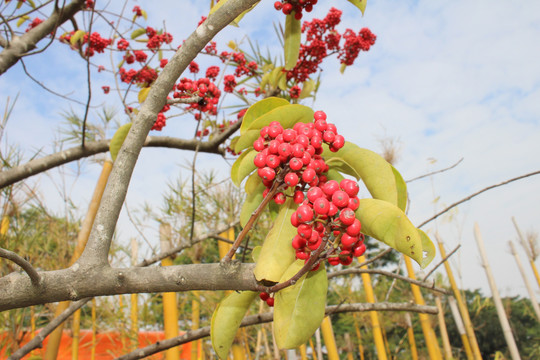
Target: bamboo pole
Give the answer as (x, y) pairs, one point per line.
(134, 308)
(170, 308)
(319, 344)
(348, 342)
(266, 345)
(429, 335)
(442, 327)
(76, 329)
(530, 255)
(460, 327)
(303, 351)
(410, 336)
(359, 336)
(4, 227)
(375, 324)
(51, 352)
(329, 339)
(461, 305)
(514, 353)
(526, 281)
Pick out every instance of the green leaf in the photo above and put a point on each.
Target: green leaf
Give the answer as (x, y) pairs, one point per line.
(246, 140)
(226, 320)
(277, 253)
(32, 4)
(138, 32)
(360, 4)
(253, 182)
(428, 248)
(342, 68)
(334, 175)
(143, 93)
(79, 34)
(293, 33)
(22, 19)
(238, 18)
(389, 224)
(251, 203)
(299, 309)
(118, 139)
(375, 172)
(401, 189)
(260, 108)
(243, 166)
(307, 89)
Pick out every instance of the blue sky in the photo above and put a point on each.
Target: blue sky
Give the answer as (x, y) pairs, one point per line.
(446, 80)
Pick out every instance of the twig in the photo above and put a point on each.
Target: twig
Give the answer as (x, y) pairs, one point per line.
(89, 83)
(430, 286)
(441, 262)
(475, 194)
(435, 172)
(375, 258)
(267, 317)
(190, 100)
(26, 266)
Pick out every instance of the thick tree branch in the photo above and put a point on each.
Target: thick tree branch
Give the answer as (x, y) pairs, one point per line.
(267, 317)
(26, 266)
(19, 46)
(430, 286)
(77, 282)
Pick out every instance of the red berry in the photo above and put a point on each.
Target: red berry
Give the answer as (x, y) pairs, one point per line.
(258, 144)
(330, 187)
(308, 175)
(275, 130)
(305, 230)
(273, 147)
(347, 241)
(272, 161)
(331, 127)
(278, 5)
(339, 142)
(298, 242)
(280, 198)
(333, 210)
(291, 179)
(287, 8)
(297, 150)
(296, 164)
(321, 125)
(302, 255)
(354, 203)
(319, 115)
(289, 135)
(345, 257)
(302, 140)
(316, 141)
(298, 197)
(304, 213)
(285, 150)
(264, 296)
(347, 216)
(264, 131)
(328, 136)
(339, 198)
(321, 206)
(349, 186)
(317, 240)
(333, 261)
(359, 250)
(298, 15)
(260, 160)
(306, 158)
(266, 173)
(270, 301)
(354, 228)
(314, 193)
(294, 219)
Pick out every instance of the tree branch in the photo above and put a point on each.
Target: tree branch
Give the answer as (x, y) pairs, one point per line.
(441, 262)
(26, 266)
(475, 194)
(267, 317)
(18, 46)
(435, 172)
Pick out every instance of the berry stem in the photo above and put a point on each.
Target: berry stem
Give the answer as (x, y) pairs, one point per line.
(275, 187)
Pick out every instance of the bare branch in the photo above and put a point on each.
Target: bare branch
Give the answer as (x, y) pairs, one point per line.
(430, 286)
(375, 258)
(267, 317)
(190, 100)
(435, 172)
(475, 194)
(441, 262)
(20, 45)
(27, 267)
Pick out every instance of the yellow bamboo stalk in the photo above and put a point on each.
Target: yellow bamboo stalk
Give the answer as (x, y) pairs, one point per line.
(532, 295)
(461, 327)
(51, 351)
(529, 252)
(535, 271)
(442, 327)
(4, 227)
(370, 297)
(94, 331)
(134, 309)
(195, 322)
(359, 336)
(461, 304)
(329, 339)
(410, 336)
(238, 352)
(266, 345)
(313, 349)
(170, 309)
(303, 351)
(245, 340)
(429, 335)
(76, 329)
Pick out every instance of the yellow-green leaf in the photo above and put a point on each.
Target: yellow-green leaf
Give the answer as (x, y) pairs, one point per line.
(251, 203)
(360, 4)
(32, 4)
(428, 248)
(252, 183)
(389, 224)
(118, 139)
(243, 166)
(22, 19)
(375, 172)
(79, 34)
(277, 253)
(287, 116)
(143, 93)
(246, 140)
(401, 190)
(282, 82)
(293, 33)
(144, 14)
(275, 75)
(299, 309)
(307, 89)
(226, 320)
(342, 68)
(238, 18)
(260, 108)
(138, 32)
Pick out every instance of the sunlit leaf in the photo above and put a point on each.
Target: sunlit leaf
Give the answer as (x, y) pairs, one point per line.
(118, 139)
(342, 68)
(251, 203)
(401, 189)
(143, 93)
(360, 4)
(293, 33)
(226, 320)
(138, 32)
(238, 18)
(246, 140)
(307, 89)
(22, 19)
(260, 108)
(287, 116)
(32, 4)
(299, 309)
(75, 38)
(373, 169)
(144, 14)
(275, 76)
(428, 248)
(277, 253)
(252, 183)
(243, 166)
(389, 224)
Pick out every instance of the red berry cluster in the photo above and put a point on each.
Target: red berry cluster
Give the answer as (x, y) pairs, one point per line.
(202, 87)
(95, 43)
(33, 24)
(288, 6)
(354, 43)
(143, 77)
(328, 214)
